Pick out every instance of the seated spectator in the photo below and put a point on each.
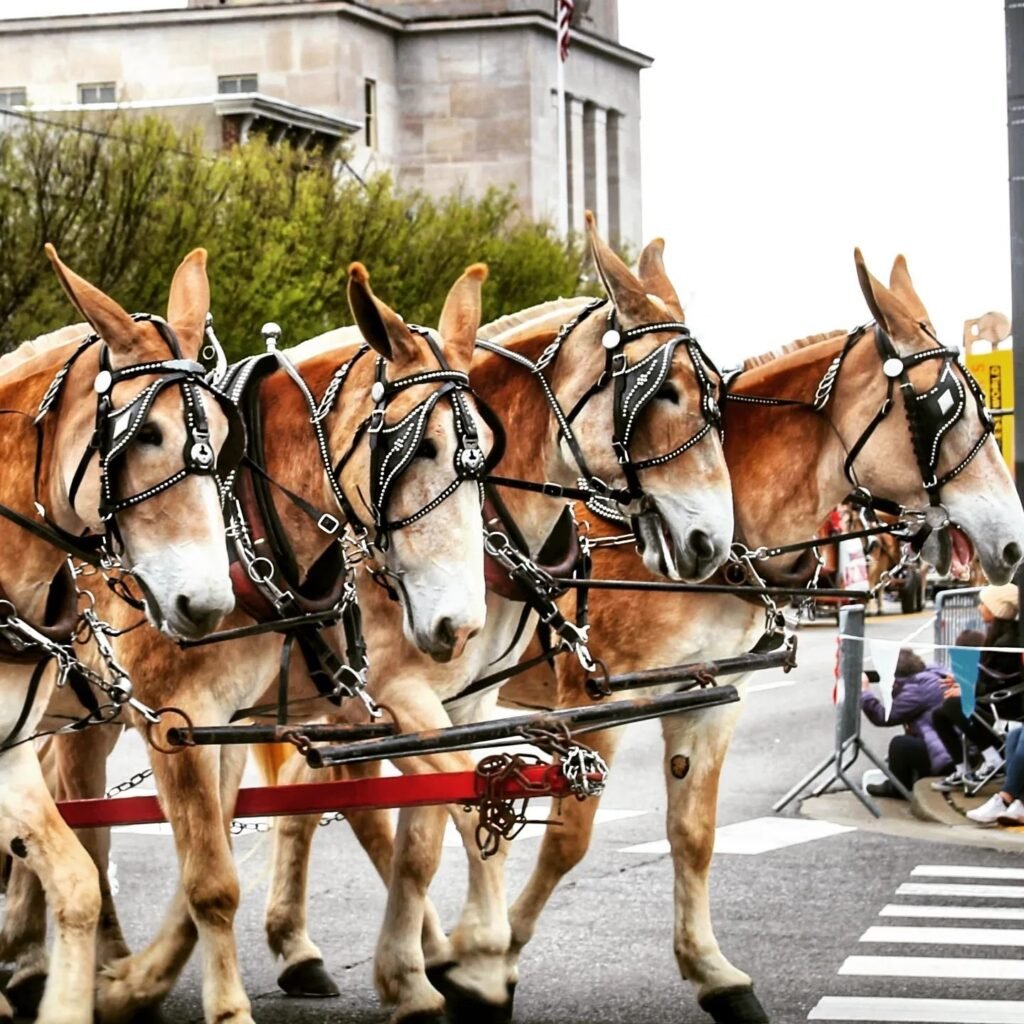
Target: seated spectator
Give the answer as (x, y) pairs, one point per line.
(997, 671)
(917, 692)
(1005, 808)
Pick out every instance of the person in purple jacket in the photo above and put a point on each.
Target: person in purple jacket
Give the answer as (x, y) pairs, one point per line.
(918, 751)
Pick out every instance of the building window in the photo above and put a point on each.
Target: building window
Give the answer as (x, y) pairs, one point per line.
(13, 97)
(97, 92)
(370, 107)
(237, 83)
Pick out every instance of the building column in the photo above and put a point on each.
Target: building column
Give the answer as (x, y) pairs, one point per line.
(577, 190)
(595, 143)
(614, 178)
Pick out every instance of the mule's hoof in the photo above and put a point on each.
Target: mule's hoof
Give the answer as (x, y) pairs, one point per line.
(438, 974)
(308, 979)
(734, 1006)
(25, 994)
(465, 1007)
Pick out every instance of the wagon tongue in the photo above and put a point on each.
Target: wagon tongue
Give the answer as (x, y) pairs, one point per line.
(963, 551)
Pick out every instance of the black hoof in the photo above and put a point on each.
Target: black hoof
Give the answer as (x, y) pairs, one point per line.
(438, 974)
(308, 979)
(465, 1007)
(26, 994)
(734, 1006)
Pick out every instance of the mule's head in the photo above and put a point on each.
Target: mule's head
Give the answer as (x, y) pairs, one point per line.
(173, 540)
(969, 479)
(662, 415)
(420, 486)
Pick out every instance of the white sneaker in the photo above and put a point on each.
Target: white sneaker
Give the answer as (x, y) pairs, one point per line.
(1013, 815)
(990, 811)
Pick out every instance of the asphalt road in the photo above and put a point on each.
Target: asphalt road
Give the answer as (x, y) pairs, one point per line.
(791, 916)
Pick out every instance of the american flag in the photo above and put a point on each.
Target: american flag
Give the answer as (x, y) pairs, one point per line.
(564, 15)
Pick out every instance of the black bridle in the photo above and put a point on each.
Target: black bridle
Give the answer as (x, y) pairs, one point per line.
(931, 415)
(394, 446)
(634, 388)
(116, 428)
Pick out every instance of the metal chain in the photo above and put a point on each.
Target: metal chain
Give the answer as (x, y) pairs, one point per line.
(130, 783)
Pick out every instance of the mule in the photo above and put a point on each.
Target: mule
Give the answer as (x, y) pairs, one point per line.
(686, 516)
(767, 448)
(125, 450)
(436, 560)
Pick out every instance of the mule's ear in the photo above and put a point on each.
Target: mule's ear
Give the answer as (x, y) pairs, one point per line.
(105, 316)
(901, 285)
(886, 307)
(381, 327)
(189, 302)
(654, 279)
(625, 291)
(460, 318)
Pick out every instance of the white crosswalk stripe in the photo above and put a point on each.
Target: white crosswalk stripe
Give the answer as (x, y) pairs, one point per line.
(980, 896)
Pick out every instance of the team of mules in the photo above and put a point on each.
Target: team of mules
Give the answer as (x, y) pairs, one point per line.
(406, 425)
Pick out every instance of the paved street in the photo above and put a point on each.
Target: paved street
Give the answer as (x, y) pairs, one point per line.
(818, 924)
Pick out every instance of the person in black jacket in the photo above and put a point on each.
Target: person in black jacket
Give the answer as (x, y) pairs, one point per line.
(997, 671)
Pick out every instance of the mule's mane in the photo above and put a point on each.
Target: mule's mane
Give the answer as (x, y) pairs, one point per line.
(326, 342)
(506, 324)
(793, 346)
(40, 346)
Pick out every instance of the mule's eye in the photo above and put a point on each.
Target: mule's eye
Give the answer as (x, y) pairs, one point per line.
(427, 449)
(668, 393)
(150, 435)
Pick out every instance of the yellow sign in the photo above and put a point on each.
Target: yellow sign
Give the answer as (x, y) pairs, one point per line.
(994, 372)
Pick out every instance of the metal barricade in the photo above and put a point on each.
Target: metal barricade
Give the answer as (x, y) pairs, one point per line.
(955, 611)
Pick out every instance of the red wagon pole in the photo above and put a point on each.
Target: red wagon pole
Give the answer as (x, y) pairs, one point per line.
(341, 795)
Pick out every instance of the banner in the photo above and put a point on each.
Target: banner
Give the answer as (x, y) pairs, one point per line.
(964, 662)
(994, 373)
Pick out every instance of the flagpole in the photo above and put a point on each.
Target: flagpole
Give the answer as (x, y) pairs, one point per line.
(563, 172)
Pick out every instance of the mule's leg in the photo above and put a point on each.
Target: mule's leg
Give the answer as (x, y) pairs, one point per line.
(286, 920)
(23, 939)
(564, 844)
(695, 746)
(6, 1013)
(34, 832)
(81, 760)
(190, 786)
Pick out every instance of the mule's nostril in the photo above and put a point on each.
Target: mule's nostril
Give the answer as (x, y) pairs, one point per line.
(1011, 553)
(445, 632)
(702, 546)
(183, 606)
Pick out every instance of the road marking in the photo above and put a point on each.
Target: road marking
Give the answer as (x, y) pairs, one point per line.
(971, 913)
(933, 967)
(532, 831)
(925, 1011)
(945, 936)
(968, 871)
(777, 685)
(759, 835)
(1010, 892)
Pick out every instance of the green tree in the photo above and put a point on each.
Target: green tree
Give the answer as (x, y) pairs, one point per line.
(123, 199)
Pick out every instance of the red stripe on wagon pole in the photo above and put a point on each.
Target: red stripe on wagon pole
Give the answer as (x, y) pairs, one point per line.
(320, 797)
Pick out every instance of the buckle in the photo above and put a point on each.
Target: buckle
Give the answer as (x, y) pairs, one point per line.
(619, 364)
(328, 523)
(376, 421)
(621, 453)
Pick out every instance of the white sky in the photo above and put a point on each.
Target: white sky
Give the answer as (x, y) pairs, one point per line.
(778, 135)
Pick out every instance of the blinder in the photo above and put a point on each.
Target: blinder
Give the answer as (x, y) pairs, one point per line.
(116, 428)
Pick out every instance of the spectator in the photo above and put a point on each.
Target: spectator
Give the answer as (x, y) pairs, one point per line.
(918, 751)
(997, 670)
(1005, 807)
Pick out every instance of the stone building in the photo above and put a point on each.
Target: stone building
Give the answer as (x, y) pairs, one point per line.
(448, 94)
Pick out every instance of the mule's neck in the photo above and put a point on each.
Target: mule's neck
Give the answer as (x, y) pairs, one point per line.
(786, 462)
(531, 451)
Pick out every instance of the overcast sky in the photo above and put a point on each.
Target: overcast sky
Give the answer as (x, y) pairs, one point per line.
(776, 136)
